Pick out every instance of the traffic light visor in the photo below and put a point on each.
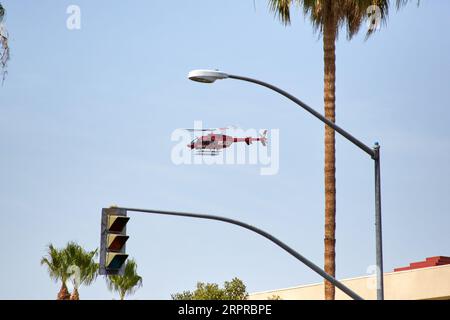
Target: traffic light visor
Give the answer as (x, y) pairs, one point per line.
(117, 223)
(116, 242)
(115, 260)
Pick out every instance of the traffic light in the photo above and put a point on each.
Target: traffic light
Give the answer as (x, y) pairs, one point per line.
(113, 239)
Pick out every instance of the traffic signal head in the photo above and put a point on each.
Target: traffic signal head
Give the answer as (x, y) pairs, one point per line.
(113, 239)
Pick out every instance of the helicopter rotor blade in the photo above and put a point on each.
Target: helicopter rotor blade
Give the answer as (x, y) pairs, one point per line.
(233, 127)
(193, 130)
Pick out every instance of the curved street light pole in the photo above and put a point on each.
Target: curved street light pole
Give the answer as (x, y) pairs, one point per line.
(266, 235)
(329, 123)
(210, 76)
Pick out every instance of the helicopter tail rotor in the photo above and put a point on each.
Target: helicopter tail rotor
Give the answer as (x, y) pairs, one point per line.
(263, 138)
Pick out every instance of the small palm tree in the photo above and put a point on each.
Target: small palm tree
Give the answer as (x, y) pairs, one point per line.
(82, 267)
(71, 263)
(126, 284)
(57, 268)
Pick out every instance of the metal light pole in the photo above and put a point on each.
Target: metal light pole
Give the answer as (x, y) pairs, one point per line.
(210, 76)
(263, 233)
(378, 223)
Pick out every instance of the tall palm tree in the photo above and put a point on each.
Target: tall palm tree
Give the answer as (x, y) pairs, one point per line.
(327, 17)
(57, 268)
(81, 266)
(126, 284)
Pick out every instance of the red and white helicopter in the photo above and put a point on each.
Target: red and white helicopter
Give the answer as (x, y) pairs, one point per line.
(216, 140)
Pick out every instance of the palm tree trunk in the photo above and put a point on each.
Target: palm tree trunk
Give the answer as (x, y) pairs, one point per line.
(75, 295)
(63, 293)
(329, 39)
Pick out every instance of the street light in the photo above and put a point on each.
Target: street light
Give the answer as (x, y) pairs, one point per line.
(206, 76)
(210, 76)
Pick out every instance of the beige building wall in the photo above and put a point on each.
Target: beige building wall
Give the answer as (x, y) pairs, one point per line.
(416, 284)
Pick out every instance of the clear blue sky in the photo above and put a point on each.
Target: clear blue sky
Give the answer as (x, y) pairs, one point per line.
(86, 118)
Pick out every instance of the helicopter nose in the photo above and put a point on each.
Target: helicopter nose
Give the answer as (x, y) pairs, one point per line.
(191, 145)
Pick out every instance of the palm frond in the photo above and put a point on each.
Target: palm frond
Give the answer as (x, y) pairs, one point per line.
(60, 263)
(128, 283)
(281, 9)
(75, 255)
(346, 14)
(56, 266)
(4, 46)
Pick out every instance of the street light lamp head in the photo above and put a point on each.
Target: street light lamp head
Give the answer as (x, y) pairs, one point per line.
(206, 76)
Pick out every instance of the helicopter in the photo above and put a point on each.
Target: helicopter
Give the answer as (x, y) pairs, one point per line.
(216, 140)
